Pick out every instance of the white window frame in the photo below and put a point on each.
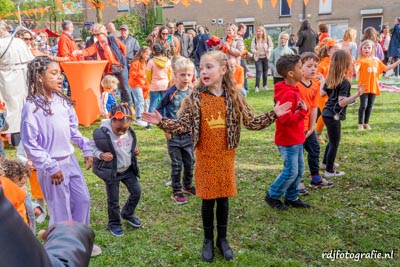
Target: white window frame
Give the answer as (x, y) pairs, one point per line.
(280, 11)
(325, 8)
(343, 25)
(123, 5)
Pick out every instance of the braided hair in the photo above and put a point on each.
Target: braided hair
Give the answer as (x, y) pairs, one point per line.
(36, 92)
(125, 109)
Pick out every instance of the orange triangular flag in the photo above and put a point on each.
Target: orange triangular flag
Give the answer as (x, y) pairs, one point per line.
(273, 2)
(246, 2)
(260, 3)
(305, 2)
(323, 1)
(289, 2)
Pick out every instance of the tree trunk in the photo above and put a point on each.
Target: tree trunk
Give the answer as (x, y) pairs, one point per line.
(99, 15)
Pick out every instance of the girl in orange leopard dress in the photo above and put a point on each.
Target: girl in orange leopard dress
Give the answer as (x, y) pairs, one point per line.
(214, 112)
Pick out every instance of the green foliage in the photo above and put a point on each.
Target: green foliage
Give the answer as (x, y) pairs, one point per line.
(6, 6)
(135, 27)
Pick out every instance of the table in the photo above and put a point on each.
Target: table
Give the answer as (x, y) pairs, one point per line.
(84, 79)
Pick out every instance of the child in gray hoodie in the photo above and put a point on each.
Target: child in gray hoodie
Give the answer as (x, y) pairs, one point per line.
(280, 50)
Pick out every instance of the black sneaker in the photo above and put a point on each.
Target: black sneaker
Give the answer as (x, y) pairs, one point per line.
(148, 127)
(190, 190)
(275, 203)
(134, 221)
(297, 203)
(116, 230)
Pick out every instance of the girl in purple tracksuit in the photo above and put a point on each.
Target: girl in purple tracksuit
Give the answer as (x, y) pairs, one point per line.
(49, 123)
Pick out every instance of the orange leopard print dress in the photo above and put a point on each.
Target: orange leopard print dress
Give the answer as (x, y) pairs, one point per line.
(215, 169)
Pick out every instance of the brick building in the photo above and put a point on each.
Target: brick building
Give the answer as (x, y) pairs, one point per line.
(337, 14)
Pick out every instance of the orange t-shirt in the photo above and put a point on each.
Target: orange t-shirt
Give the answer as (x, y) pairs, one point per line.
(310, 96)
(238, 75)
(369, 71)
(323, 66)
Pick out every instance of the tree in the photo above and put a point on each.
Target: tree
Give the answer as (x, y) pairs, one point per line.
(98, 5)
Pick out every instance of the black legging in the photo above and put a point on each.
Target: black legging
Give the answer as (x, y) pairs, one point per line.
(207, 211)
(364, 112)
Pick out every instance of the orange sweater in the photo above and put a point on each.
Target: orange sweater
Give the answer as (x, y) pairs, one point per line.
(137, 74)
(238, 75)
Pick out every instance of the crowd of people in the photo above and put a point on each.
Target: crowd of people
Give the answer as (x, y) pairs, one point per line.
(202, 118)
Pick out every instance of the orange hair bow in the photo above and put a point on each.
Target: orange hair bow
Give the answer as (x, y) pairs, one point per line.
(331, 42)
(119, 115)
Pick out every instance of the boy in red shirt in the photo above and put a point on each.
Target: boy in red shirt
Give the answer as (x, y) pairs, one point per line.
(309, 87)
(289, 136)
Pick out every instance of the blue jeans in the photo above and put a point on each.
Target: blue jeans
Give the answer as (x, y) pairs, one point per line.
(290, 177)
(126, 96)
(155, 98)
(261, 71)
(137, 95)
(311, 145)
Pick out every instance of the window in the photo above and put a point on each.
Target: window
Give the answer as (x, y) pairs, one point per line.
(124, 5)
(336, 31)
(285, 9)
(325, 8)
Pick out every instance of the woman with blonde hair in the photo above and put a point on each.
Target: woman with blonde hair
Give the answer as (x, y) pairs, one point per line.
(232, 44)
(349, 42)
(261, 47)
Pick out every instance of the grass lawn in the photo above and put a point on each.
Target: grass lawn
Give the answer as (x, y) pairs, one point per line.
(359, 214)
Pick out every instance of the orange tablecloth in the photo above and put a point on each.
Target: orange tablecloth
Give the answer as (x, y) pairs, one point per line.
(84, 80)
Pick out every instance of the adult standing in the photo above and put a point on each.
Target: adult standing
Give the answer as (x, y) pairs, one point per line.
(66, 44)
(200, 46)
(130, 42)
(175, 40)
(307, 39)
(169, 45)
(112, 31)
(394, 46)
(232, 44)
(14, 59)
(184, 40)
(261, 47)
(113, 50)
(242, 29)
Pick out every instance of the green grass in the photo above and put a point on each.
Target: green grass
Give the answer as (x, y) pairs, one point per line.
(359, 214)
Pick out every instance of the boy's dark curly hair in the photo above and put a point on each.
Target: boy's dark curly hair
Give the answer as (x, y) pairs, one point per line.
(14, 170)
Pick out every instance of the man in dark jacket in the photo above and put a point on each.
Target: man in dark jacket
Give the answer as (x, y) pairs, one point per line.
(184, 39)
(200, 46)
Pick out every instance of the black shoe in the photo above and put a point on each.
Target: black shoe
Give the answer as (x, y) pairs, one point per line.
(297, 203)
(275, 203)
(225, 249)
(208, 250)
(133, 220)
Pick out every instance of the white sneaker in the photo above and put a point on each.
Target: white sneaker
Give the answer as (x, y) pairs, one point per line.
(335, 173)
(257, 90)
(96, 251)
(140, 123)
(265, 87)
(322, 166)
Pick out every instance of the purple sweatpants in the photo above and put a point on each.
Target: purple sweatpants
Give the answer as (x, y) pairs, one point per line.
(70, 200)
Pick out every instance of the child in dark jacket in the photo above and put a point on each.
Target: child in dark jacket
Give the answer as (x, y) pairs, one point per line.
(180, 146)
(115, 151)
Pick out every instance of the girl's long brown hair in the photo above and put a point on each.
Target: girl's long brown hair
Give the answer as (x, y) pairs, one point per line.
(228, 84)
(341, 62)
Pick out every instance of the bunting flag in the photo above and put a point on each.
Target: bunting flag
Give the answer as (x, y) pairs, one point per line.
(289, 2)
(306, 2)
(273, 3)
(246, 2)
(260, 3)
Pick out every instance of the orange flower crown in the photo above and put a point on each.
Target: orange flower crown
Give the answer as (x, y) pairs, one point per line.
(119, 115)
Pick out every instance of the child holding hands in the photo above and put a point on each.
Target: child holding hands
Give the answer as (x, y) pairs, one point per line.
(337, 88)
(115, 151)
(289, 136)
(214, 112)
(369, 68)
